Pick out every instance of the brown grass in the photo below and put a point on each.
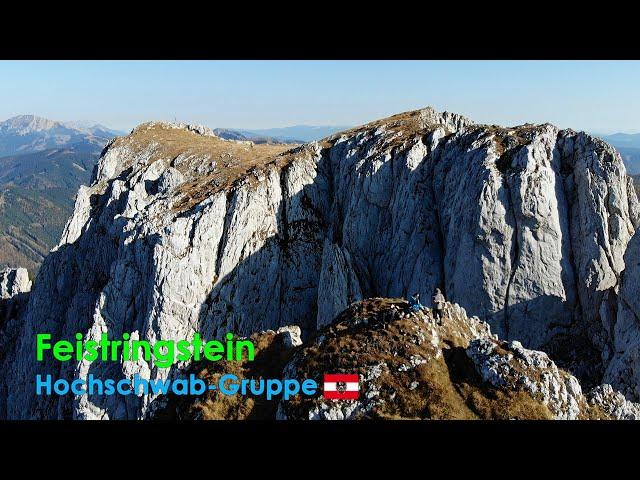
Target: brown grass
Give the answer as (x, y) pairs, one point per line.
(270, 359)
(404, 127)
(448, 386)
(176, 141)
(366, 334)
(593, 412)
(226, 161)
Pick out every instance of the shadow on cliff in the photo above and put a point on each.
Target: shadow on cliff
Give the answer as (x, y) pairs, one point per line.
(567, 343)
(63, 301)
(277, 285)
(275, 288)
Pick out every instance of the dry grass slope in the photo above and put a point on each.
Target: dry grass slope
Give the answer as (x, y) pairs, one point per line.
(369, 333)
(209, 163)
(447, 386)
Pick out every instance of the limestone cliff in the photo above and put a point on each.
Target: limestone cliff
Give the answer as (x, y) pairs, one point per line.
(623, 371)
(181, 231)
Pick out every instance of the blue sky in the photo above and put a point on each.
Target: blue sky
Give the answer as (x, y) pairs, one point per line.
(600, 97)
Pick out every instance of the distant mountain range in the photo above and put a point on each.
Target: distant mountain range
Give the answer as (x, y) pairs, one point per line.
(631, 140)
(294, 134)
(306, 133)
(42, 164)
(29, 133)
(243, 136)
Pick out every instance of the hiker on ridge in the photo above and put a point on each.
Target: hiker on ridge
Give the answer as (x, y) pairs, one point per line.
(414, 302)
(438, 303)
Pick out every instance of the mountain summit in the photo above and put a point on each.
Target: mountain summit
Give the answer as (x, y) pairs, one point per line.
(30, 133)
(26, 124)
(180, 231)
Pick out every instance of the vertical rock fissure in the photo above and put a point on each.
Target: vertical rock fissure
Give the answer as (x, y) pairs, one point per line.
(334, 207)
(192, 230)
(283, 223)
(569, 201)
(431, 157)
(228, 213)
(348, 280)
(514, 255)
(443, 250)
(283, 233)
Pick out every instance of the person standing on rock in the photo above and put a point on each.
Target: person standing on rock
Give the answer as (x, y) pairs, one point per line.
(438, 303)
(414, 302)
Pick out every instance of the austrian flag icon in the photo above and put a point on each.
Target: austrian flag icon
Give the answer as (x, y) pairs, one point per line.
(341, 387)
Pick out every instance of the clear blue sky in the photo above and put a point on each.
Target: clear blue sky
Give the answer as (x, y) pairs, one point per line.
(596, 96)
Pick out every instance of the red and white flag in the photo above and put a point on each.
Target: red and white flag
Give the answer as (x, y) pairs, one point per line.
(341, 387)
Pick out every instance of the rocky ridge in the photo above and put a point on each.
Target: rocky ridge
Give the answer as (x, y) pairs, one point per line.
(181, 231)
(411, 367)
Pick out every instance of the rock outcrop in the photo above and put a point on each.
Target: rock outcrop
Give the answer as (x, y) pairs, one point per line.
(410, 367)
(181, 231)
(14, 289)
(613, 403)
(512, 366)
(14, 281)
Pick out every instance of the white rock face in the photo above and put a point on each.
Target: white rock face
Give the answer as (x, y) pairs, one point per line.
(291, 335)
(623, 372)
(14, 281)
(614, 403)
(511, 366)
(183, 232)
(526, 228)
(515, 367)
